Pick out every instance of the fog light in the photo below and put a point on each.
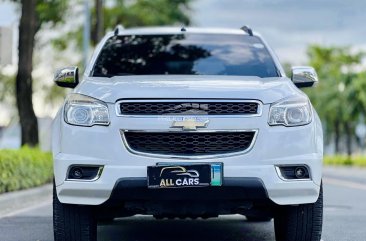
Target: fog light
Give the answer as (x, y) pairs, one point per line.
(76, 173)
(293, 172)
(84, 173)
(300, 172)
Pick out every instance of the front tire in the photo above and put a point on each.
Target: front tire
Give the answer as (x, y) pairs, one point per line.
(73, 222)
(301, 223)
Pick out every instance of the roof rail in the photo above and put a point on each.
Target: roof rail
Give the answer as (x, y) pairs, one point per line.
(118, 29)
(247, 29)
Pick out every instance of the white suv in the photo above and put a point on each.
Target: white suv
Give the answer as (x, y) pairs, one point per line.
(187, 123)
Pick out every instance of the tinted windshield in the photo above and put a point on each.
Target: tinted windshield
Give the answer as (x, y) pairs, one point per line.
(185, 54)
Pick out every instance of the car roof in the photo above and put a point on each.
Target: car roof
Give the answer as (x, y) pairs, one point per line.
(178, 30)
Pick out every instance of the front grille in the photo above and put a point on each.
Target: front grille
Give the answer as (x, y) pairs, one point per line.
(188, 108)
(189, 144)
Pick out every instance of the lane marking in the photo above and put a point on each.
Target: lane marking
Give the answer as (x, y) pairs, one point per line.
(26, 209)
(344, 183)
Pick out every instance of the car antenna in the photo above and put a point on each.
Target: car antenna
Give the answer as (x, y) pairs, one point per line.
(248, 30)
(118, 29)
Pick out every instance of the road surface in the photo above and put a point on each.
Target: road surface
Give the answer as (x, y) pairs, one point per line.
(344, 220)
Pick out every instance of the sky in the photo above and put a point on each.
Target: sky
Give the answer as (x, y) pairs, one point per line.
(289, 26)
(7, 14)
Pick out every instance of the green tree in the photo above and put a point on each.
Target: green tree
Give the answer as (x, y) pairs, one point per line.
(336, 96)
(6, 87)
(34, 14)
(129, 13)
(37, 13)
(147, 13)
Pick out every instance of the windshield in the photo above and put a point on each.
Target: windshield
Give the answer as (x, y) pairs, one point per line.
(184, 54)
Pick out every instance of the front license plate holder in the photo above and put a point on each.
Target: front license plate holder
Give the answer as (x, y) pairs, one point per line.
(181, 175)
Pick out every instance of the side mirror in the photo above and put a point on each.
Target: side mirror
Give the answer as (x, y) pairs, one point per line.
(304, 76)
(67, 77)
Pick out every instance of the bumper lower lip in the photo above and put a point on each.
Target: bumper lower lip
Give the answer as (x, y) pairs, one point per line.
(233, 188)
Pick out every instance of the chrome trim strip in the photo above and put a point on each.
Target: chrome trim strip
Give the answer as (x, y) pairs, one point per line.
(131, 150)
(99, 173)
(259, 111)
(292, 180)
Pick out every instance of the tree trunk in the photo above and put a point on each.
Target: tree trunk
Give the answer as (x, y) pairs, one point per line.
(348, 138)
(337, 134)
(27, 30)
(98, 31)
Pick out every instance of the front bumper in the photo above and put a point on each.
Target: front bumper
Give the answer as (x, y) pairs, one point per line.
(279, 191)
(100, 145)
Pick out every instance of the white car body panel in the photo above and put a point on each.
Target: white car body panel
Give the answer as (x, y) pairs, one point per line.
(267, 90)
(103, 145)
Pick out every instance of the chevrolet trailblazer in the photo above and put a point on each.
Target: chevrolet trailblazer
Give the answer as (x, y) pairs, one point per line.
(187, 123)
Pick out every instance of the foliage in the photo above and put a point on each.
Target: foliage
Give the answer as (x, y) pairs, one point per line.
(345, 160)
(50, 12)
(146, 13)
(133, 13)
(24, 168)
(7, 84)
(339, 97)
(333, 96)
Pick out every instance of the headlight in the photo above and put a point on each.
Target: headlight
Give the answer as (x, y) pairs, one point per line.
(293, 111)
(82, 110)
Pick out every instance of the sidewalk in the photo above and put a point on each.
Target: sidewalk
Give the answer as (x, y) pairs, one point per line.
(15, 201)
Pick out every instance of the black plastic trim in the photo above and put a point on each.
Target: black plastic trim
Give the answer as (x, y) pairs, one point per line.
(233, 188)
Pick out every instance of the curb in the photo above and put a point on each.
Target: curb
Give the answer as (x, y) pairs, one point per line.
(15, 201)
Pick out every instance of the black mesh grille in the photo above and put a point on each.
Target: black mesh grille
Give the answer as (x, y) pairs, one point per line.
(185, 143)
(181, 108)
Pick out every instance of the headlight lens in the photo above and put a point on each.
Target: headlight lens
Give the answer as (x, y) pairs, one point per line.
(82, 110)
(293, 111)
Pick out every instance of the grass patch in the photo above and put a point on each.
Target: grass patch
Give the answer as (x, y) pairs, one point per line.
(24, 168)
(345, 160)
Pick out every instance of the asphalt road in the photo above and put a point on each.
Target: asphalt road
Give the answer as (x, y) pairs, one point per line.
(345, 219)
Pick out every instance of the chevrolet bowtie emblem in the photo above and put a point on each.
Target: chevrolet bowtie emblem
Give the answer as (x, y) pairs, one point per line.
(190, 124)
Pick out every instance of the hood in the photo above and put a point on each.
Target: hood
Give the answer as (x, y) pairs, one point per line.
(267, 90)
